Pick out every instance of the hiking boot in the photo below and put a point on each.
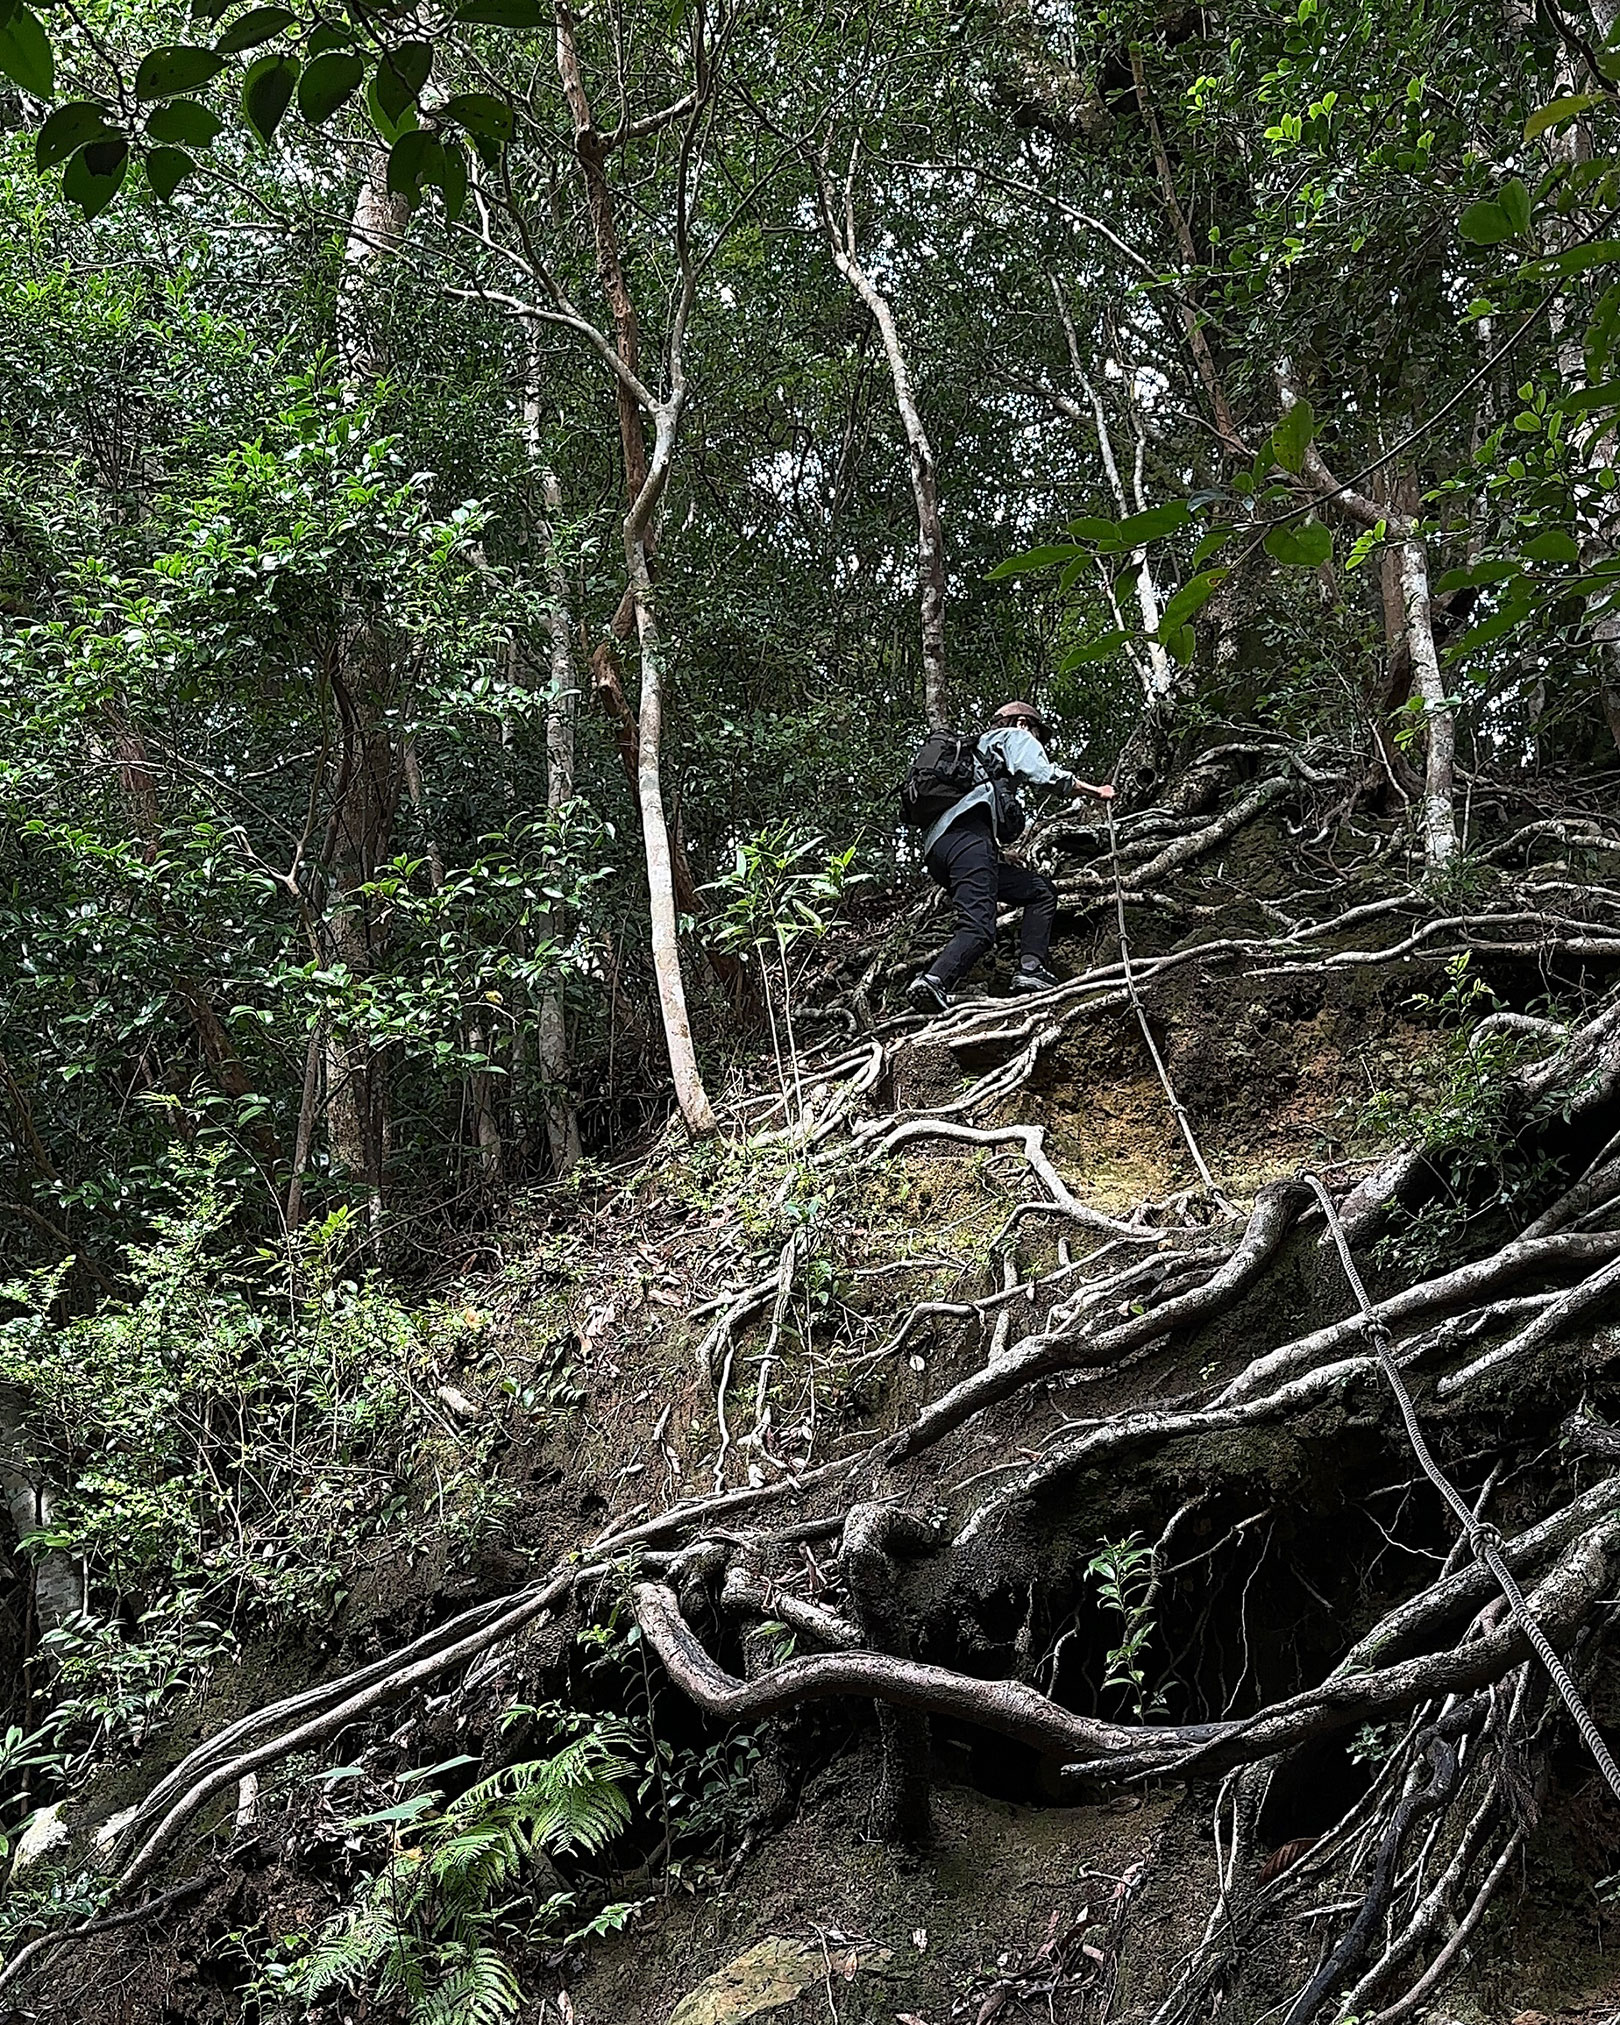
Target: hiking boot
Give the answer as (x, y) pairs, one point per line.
(1039, 979)
(928, 995)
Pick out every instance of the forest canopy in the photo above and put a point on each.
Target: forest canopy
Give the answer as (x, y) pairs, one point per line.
(491, 498)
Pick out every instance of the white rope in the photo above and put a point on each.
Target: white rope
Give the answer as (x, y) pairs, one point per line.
(1482, 1539)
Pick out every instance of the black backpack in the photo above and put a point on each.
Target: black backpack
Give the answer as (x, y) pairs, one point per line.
(948, 765)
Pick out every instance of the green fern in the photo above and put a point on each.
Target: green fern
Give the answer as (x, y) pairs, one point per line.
(421, 1934)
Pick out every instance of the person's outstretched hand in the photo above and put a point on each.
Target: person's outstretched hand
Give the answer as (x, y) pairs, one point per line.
(1104, 792)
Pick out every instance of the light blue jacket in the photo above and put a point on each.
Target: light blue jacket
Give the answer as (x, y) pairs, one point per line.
(1024, 757)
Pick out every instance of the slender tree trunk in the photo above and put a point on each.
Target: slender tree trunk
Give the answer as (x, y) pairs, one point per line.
(1439, 812)
(645, 480)
(360, 828)
(1440, 843)
(919, 452)
(689, 1090)
(562, 1120)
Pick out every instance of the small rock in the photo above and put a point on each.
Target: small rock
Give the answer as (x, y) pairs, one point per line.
(114, 1825)
(45, 1833)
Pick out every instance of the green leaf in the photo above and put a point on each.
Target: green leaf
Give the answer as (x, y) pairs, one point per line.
(1190, 600)
(453, 181)
(1588, 398)
(402, 1810)
(1092, 650)
(1090, 528)
(25, 53)
(401, 74)
(1181, 644)
(505, 13)
(1212, 543)
(390, 128)
(480, 113)
(182, 121)
(67, 130)
(1495, 570)
(1560, 110)
(1158, 520)
(407, 159)
(1575, 259)
(1514, 199)
(1303, 547)
(1035, 559)
(167, 169)
(95, 176)
(257, 25)
(1485, 224)
(176, 67)
(1293, 436)
(267, 92)
(327, 82)
(1553, 545)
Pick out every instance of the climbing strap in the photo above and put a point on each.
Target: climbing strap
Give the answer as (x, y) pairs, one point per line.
(1482, 1539)
(1177, 1107)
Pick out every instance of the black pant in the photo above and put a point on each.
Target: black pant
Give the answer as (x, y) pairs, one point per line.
(966, 862)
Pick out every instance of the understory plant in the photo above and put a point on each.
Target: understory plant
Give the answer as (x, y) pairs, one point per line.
(1124, 1572)
(465, 1886)
(229, 1442)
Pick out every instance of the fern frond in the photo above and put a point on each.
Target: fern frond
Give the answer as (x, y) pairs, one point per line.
(482, 1990)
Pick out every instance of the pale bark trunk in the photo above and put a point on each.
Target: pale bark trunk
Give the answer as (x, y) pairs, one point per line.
(58, 1578)
(1439, 811)
(562, 1120)
(645, 481)
(1440, 842)
(919, 452)
(689, 1090)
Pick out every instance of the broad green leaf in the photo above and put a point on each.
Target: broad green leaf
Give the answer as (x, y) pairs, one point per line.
(182, 122)
(1181, 644)
(1190, 600)
(257, 25)
(402, 1810)
(1073, 572)
(175, 67)
(1364, 544)
(1149, 526)
(1485, 224)
(401, 74)
(1036, 559)
(267, 92)
(1303, 547)
(1495, 570)
(1090, 528)
(453, 182)
(25, 53)
(1514, 199)
(1575, 259)
(506, 13)
(1560, 110)
(388, 127)
(67, 130)
(480, 113)
(1588, 398)
(95, 176)
(167, 169)
(1293, 436)
(1553, 545)
(327, 82)
(407, 160)
(1212, 543)
(1092, 650)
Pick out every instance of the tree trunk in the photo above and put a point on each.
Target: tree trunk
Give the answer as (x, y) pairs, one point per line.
(562, 1121)
(360, 826)
(645, 480)
(689, 1090)
(1439, 813)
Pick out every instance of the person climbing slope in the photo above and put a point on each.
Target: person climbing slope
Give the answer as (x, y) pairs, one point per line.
(963, 842)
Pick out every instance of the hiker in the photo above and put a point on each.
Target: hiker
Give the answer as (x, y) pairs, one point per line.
(962, 845)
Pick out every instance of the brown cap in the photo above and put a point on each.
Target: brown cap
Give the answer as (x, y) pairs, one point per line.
(1019, 713)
